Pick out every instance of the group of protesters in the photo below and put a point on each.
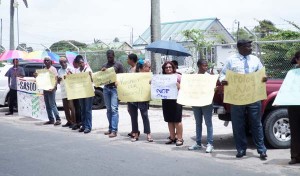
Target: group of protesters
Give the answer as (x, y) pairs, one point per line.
(78, 112)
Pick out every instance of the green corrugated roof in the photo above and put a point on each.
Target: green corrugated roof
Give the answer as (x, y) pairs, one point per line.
(173, 30)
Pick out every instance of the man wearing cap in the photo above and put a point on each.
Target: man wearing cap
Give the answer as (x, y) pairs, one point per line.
(244, 62)
(12, 74)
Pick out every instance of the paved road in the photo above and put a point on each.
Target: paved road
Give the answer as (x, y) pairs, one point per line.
(28, 148)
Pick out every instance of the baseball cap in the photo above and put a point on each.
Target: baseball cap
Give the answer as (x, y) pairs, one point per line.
(242, 42)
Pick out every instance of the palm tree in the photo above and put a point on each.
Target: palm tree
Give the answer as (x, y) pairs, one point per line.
(12, 14)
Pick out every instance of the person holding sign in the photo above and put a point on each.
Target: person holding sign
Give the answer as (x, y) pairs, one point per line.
(294, 120)
(142, 106)
(111, 95)
(67, 104)
(171, 110)
(243, 63)
(76, 102)
(86, 104)
(12, 74)
(131, 61)
(206, 112)
(49, 96)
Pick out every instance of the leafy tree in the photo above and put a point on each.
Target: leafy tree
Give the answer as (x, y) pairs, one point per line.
(23, 46)
(197, 37)
(277, 56)
(265, 28)
(242, 34)
(116, 39)
(63, 45)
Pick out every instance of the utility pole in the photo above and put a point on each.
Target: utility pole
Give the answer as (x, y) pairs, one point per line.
(1, 32)
(11, 32)
(155, 34)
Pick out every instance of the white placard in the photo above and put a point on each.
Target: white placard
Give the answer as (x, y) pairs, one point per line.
(164, 87)
(30, 100)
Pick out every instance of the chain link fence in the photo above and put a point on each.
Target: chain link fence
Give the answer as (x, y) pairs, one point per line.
(96, 59)
(275, 55)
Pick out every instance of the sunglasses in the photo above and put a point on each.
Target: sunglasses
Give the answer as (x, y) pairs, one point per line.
(47, 60)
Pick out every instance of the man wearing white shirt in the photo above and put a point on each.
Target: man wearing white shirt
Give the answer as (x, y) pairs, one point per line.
(67, 104)
(243, 63)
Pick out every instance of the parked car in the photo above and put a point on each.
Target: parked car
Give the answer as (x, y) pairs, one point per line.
(29, 69)
(274, 118)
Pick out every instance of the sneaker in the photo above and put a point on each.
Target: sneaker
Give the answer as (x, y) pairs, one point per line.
(209, 148)
(195, 147)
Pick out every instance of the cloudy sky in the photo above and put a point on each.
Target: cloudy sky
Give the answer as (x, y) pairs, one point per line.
(48, 21)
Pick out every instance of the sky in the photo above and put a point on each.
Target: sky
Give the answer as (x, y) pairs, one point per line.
(49, 21)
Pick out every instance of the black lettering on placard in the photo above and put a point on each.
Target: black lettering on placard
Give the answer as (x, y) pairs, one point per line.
(29, 86)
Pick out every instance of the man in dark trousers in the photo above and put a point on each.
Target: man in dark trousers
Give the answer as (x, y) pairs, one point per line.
(244, 62)
(12, 74)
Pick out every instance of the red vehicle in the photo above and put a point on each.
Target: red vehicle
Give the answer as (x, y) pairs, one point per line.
(274, 118)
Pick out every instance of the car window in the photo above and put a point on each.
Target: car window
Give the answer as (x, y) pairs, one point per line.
(30, 69)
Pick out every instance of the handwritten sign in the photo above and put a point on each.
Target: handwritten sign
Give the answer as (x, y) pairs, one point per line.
(164, 87)
(197, 89)
(79, 85)
(45, 79)
(30, 100)
(289, 92)
(134, 87)
(244, 89)
(104, 77)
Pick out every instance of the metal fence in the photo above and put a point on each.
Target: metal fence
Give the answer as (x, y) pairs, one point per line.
(96, 59)
(275, 55)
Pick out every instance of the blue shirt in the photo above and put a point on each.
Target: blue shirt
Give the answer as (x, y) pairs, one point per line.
(236, 63)
(13, 73)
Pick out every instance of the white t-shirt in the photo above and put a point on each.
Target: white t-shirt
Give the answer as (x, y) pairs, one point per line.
(61, 73)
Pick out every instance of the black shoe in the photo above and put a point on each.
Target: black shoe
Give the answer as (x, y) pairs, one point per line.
(294, 161)
(240, 154)
(75, 127)
(9, 113)
(49, 123)
(87, 131)
(171, 141)
(71, 126)
(81, 130)
(67, 124)
(263, 156)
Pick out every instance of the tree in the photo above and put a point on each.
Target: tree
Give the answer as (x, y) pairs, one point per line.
(23, 47)
(265, 28)
(64, 45)
(243, 34)
(277, 56)
(197, 37)
(116, 39)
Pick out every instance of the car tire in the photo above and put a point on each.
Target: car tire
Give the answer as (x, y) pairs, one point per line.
(277, 129)
(98, 101)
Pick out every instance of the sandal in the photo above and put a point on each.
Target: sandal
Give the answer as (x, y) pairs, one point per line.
(149, 139)
(171, 141)
(179, 142)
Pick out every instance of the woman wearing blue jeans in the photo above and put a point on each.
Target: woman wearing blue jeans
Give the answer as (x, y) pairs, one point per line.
(206, 112)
